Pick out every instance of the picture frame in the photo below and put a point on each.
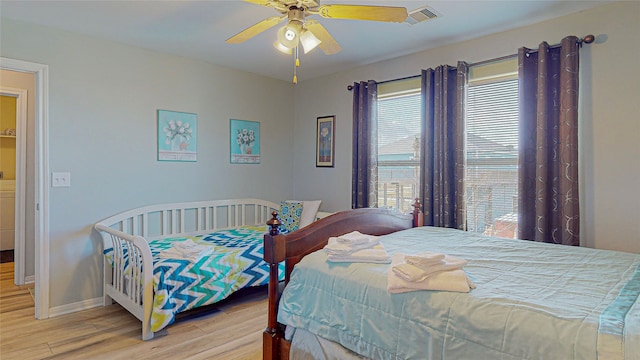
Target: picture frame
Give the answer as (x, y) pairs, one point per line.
(177, 136)
(325, 141)
(244, 141)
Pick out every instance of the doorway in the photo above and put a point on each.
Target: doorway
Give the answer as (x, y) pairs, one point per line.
(14, 144)
(35, 212)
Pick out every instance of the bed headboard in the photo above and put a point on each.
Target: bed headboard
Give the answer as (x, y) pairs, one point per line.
(189, 217)
(292, 247)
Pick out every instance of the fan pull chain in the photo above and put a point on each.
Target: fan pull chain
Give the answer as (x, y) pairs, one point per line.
(295, 66)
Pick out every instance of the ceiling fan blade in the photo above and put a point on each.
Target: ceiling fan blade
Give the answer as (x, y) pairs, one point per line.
(309, 3)
(364, 12)
(256, 29)
(328, 45)
(260, 2)
(276, 4)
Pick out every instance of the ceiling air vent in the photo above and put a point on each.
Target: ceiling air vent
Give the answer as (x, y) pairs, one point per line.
(421, 14)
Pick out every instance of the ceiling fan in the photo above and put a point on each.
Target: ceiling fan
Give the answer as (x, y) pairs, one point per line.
(309, 32)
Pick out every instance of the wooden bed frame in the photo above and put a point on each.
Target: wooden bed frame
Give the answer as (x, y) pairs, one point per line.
(292, 247)
(133, 288)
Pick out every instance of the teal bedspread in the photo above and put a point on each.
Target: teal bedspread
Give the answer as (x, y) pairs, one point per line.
(179, 284)
(532, 301)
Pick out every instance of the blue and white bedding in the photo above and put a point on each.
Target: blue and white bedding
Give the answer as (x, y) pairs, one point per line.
(180, 284)
(532, 300)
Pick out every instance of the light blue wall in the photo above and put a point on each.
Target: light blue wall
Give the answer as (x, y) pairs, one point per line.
(102, 126)
(103, 100)
(610, 130)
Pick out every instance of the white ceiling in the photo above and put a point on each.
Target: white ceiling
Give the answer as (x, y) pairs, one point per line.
(198, 29)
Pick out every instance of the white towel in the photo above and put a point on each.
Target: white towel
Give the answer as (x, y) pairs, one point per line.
(424, 259)
(354, 238)
(378, 255)
(334, 247)
(187, 250)
(410, 272)
(452, 280)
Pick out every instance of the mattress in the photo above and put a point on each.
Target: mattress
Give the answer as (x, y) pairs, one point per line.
(180, 284)
(532, 300)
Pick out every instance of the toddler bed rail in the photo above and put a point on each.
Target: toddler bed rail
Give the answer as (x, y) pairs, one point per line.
(128, 276)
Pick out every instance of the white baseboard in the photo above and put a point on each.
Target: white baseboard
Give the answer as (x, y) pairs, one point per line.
(30, 279)
(78, 306)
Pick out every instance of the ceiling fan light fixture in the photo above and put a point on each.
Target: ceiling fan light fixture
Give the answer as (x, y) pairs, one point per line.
(308, 40)
(289, 35)
(308, 32)
(282, 48)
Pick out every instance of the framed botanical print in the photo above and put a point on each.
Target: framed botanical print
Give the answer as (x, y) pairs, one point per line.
(244, 138)
(325, 141)
(177, 136)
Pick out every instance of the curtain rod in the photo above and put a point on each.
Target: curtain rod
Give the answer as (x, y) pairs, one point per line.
(588, 39)
(404, 78)
(493, 60)
(350, 87)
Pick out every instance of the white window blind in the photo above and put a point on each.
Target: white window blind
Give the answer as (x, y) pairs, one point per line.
(492, 146)
(492, 154)
(398, 143)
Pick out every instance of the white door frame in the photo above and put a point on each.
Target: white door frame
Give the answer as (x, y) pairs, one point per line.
(21, 173)
(41, 180)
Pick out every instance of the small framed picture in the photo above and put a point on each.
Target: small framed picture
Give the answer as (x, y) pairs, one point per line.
(325, 144)
(244, 138)
(177, 136)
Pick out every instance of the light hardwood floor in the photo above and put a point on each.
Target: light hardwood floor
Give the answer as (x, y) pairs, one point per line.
(231, 330)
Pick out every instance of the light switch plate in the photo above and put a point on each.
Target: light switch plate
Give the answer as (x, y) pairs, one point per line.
(61, 179)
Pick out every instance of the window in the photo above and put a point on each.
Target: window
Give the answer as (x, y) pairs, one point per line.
(398, 143)
(492, 146)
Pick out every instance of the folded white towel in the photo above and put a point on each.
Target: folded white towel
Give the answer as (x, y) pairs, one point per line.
(378, 254)
(410, 272)
(452, 280)
(354, 238)
(424, 259)
(185, 245)
(187, 250)
(334, 247)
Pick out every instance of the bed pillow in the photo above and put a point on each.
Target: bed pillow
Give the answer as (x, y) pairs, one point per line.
(289, 216)
(309, 211)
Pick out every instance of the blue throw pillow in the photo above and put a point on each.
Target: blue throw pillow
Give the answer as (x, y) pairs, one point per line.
(289, 216)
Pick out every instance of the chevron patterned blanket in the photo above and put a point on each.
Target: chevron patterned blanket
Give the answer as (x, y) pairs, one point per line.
(180, 284)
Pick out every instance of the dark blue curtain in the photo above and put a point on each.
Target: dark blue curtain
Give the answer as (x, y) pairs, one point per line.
(548, 209)
(442, 159)
(364, 175)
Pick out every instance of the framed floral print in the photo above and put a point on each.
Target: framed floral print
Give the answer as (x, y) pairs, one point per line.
(245, 141)
(177, 136)
(325, 144)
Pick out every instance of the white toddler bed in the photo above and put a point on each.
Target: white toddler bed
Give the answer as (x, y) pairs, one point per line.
(140, 279)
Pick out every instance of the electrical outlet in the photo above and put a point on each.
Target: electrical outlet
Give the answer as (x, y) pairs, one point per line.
(61, 179)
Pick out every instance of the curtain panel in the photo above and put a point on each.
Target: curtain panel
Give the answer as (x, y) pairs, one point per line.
(548, 209)
(442, 152)
(364, 173)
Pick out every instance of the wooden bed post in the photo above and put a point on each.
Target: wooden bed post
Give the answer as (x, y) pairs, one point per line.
(292, 247)
(274, 253)
(418, 216)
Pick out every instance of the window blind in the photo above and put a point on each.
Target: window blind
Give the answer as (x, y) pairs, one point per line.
(399, 130)
(492, 146)
(492, 155)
